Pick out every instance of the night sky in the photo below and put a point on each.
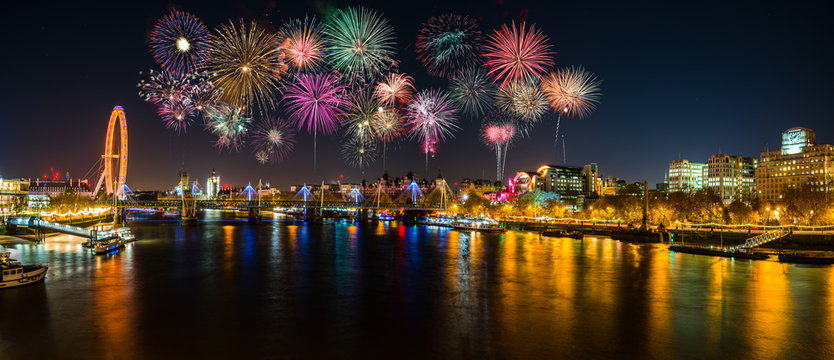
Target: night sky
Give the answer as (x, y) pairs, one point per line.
(679, 80)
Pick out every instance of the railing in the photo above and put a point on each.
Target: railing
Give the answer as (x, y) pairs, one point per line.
(266, 204)
(763, 238)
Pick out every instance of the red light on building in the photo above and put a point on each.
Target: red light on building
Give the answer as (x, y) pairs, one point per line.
(45, 177)
(56, 176)
(341, 176)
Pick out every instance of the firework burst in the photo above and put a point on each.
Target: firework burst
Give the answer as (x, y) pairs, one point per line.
(448, 43)
(180, 43)
(273, 140)
(431, 117)
(303, 43)
(358, 152)
(177, 116)
(572, 91)
(524, 101)
(316, 101)
(515, 54)
(229, 124)
(473, 91)
(361, 43)
(163, 87)
(361, 113)
(202, 94)
(246, 64)
(395, 89)
(498, 134)
(387, 126)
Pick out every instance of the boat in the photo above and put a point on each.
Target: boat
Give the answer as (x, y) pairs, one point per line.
(635, 235)
(14, 274)
(718, 252)
(108, 244)
(478, 224)
(805, 259)
(562, 233)
(171, 214)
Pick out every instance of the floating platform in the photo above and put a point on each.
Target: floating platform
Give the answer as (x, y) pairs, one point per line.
(804, 259)
(718, 252)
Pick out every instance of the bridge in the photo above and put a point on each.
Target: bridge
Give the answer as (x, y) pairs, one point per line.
(294, 204)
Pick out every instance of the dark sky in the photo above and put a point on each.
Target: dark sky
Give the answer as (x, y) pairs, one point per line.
(679, 79)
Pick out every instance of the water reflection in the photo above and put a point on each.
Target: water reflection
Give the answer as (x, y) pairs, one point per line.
(225, 288)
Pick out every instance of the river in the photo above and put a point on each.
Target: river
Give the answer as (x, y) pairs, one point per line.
(285, 289)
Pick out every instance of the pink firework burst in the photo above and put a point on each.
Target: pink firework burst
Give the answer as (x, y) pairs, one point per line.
(317, 102)
(431, 117)
(177, 116)
(515, 54)
(274, 140)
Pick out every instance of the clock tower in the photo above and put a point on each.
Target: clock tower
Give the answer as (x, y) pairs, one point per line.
(795, 139)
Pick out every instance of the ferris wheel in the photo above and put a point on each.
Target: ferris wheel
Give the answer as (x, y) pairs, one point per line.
(115, 158)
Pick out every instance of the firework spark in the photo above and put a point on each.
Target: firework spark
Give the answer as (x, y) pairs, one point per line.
(358, 152)
(229, 124)
(448, 43)
(473, 91)
(273, 140)
(431, 117)
(163, 87)
(180, 43)
(362, 111)
(573, 91)
(524, 101)
(396, 88)
(303, 43)
(517, 54)
(202, 94)
(246, 64)
(361, 43)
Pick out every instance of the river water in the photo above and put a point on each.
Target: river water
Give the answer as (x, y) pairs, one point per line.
(284, 290)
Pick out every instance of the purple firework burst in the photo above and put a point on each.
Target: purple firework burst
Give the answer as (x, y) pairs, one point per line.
(274, 139)
(316, 101)
(180, 42)
(431, 117)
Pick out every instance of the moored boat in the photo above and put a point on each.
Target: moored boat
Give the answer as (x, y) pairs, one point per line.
(719, 252)
(108, 244)
(479, 224)
(13, 273)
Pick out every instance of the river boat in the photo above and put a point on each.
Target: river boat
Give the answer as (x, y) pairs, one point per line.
(806, 259)
(171, 214)
(108, 244)
(14, 274)
(562, 233)
(477, 224)
(718, 252)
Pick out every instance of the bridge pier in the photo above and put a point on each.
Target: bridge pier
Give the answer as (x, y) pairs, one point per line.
(413, 216)
(311, 215)
(363, 216)
(254, 216)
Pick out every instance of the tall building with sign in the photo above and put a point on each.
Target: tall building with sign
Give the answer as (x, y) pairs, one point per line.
(212, 186)
(800, 163)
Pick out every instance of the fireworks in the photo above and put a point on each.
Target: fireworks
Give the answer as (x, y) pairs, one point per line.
(498, 136)
(361, 43)
(363, 109)
(274, 139)
(573, 91)
(524, 101)
(229, 124)
(180, 43)
(473, 91)
(431, 117)
(303, 43)
(396, 88)
(202, 94)
(358, 152)
(163, 87)
(387, 125)
(246, 65)
(517, 54)
(315, 100)
(448, 43)
(177, 116)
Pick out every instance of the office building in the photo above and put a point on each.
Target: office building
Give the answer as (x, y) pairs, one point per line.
(799, 163)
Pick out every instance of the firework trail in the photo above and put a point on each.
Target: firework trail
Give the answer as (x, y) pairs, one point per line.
(473, 91)
(358, 152)
(303, 43)
(388, 126)
(361, 43)
(273, 140)
(498, 136)
(247, 65)
(180, 43)
(515, 54)
(431, 117)
(395, 89)
(449, 43)
(572, 92)
(229, 124)
(315, 101)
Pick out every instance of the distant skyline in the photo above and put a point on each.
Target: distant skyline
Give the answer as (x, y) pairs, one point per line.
(679, 81)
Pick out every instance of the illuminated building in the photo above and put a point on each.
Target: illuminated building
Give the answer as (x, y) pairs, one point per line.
(612, 186)
(799, 163)
(212, 185)
(731, 176)
(10, 190)
(572, 184)
(53, 188)
(686, 176)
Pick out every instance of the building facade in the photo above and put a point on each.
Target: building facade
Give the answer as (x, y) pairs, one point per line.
(573, 184)
(799, 163)
(685, 175)
(731, 176)
(212, 186)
